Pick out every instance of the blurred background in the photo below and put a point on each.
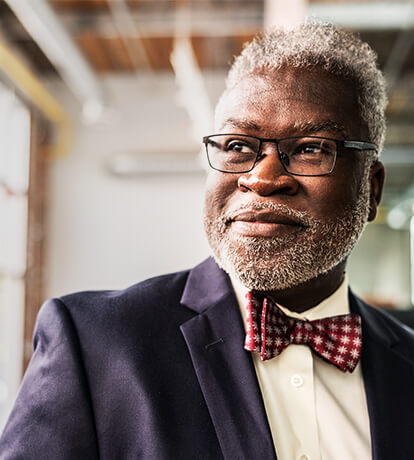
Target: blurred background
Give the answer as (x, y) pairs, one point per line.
(103, 104)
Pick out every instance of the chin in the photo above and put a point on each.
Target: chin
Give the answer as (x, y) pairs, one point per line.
(267, 265)
(274, 264)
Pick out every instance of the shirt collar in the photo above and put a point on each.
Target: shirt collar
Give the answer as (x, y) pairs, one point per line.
(336, 304)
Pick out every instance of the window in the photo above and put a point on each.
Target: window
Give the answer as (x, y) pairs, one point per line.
(14, 180)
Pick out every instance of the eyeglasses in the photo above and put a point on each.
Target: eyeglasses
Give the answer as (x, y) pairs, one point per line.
(300, 156)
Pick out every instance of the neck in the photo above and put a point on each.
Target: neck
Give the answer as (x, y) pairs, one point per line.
(307, 295)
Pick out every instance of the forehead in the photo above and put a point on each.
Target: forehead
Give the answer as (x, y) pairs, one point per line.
(288, 100)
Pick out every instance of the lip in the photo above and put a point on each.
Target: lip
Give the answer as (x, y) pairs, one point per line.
(264, 216)
(264, 223)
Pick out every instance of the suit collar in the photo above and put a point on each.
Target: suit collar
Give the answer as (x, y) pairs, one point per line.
(225, 371)
(388, 372)
(376, 326)
(206, 285)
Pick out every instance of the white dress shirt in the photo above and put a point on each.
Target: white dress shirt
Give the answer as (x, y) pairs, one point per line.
(315, 411)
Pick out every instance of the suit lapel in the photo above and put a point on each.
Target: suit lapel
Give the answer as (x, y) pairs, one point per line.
(228, 380)
(225, 371)
(388, 372)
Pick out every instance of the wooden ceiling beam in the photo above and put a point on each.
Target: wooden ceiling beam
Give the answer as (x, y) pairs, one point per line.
(79, 4)
(118, 54)
(158, 51)
(93, 49)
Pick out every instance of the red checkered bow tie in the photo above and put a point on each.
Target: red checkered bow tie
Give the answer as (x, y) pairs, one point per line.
(336, 339)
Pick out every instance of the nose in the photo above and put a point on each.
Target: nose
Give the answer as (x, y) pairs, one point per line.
(268, 177)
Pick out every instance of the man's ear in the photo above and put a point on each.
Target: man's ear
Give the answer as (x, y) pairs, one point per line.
(377, 177)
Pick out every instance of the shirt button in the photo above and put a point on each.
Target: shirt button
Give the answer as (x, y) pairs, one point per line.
(297, 381)
(304, 457)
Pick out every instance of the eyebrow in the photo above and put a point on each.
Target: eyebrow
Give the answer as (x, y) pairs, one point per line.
(315, 127)
(304, 127)
(239, 123)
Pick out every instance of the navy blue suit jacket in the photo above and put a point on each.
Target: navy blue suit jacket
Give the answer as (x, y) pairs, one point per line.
(158, 371)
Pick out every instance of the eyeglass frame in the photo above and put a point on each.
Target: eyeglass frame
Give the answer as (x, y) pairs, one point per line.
(357, 145)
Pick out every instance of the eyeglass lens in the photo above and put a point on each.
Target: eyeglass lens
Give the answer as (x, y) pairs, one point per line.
(299, 155)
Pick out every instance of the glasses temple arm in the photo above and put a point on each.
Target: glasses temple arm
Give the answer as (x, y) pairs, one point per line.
(360, 145)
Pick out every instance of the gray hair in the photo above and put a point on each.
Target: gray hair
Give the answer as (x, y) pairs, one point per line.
(321, 45)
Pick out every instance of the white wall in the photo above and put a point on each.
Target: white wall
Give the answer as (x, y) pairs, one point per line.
(105, 232)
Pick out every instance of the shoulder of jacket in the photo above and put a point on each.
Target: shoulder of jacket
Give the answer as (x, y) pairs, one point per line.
(162, 291)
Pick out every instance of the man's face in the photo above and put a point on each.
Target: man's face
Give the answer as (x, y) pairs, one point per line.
(272, 230)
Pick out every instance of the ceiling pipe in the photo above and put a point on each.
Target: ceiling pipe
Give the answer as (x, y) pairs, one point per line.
(40, 21)
(192, 94)
(366, 15)
(129, 33)
(248, 19)
(32, 89)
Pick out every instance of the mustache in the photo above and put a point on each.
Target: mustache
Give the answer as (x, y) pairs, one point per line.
(301, 217)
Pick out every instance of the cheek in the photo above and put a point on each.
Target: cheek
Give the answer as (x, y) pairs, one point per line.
(349, 176)
(348, 186)
(329, 196)
(219, 188)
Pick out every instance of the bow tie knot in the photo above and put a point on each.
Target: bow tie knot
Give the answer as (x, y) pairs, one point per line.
(300, 334)
(335, 339)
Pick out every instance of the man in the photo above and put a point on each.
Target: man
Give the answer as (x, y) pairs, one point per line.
(163, 369)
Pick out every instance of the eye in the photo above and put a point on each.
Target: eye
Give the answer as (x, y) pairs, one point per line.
(213, 144)
(308, 149)
(239, 146)
(312, 148)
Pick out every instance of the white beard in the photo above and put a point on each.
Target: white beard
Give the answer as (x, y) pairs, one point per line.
(268, 264)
